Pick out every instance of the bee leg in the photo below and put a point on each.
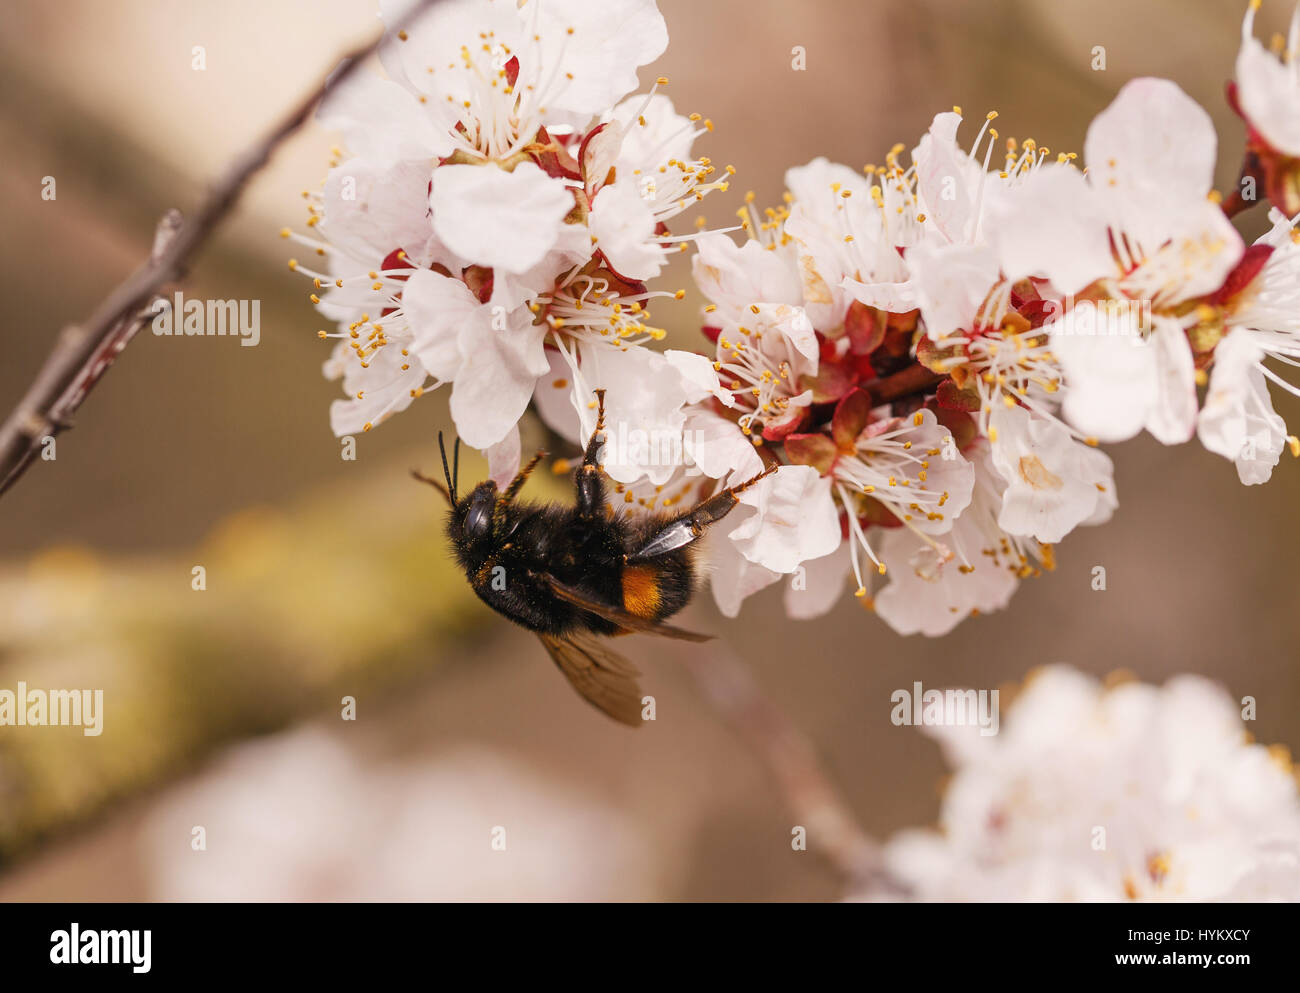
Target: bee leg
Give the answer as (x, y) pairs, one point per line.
(683, 530)
(417, 474)
(591, 488)
(516, 484)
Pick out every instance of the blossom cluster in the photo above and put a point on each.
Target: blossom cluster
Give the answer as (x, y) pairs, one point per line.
(503, 204)
(932, 350)
(1092, 793)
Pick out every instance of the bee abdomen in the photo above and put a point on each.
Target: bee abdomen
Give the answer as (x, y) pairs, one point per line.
(660, 588)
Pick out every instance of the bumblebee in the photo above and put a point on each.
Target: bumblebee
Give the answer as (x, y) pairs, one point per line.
(577, 575)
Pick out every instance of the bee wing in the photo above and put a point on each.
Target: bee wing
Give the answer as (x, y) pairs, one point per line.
(615, 615)
(603, 677)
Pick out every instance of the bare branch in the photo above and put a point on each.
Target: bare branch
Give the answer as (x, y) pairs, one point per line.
(789, 756)
(911, 379)
(84, 352)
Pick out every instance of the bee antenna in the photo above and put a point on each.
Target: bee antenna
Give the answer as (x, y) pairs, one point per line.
(446, 472)
(455, 465)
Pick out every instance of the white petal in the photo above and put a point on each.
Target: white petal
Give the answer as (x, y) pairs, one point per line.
(1110, 373)
(1187, 249)
(1172, 418)
(792, 324)
(717, 447)
(952, 282)
(817, 585)
(652, 133)
(946, 180)
(512, 290)
(733, 577)
(821, 180)
(503, 458)
(599, 45)
(1153, 140)
(796, 519)
(736, 277)
(926, 595)
(384, 388)
(372, 208)
(1051, 226)
(893, 298)
(437, 38)
(1269, 94)
(600, 152)
(1238, 420)
(644, 411)
(553, 398)
(1054, 483)
(437, 307)
(382, 121)
(496, 218)
(496, 378)
(697, 370)
(623, 226)
(1119, 383)
(818, 224)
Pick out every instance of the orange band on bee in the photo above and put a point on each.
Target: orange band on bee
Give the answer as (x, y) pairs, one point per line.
(641, 591)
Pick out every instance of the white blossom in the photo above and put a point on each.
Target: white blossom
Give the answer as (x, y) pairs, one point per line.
(1090, 794)
(1268, 87)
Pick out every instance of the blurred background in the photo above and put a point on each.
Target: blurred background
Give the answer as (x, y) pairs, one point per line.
(328, 578)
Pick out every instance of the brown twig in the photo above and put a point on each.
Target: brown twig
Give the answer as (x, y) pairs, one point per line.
(84, 352)
(1236, 202)
(912, 379)
(811, 797)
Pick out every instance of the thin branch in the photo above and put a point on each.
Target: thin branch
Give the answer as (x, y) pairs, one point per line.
(84, 352)
(1236, 202)
(810, 795)
(911, 379)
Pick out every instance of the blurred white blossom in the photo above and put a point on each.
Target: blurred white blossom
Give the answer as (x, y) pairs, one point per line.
(299, 817)
(1135, 792)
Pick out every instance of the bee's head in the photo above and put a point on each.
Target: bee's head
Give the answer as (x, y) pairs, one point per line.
(471, 518)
